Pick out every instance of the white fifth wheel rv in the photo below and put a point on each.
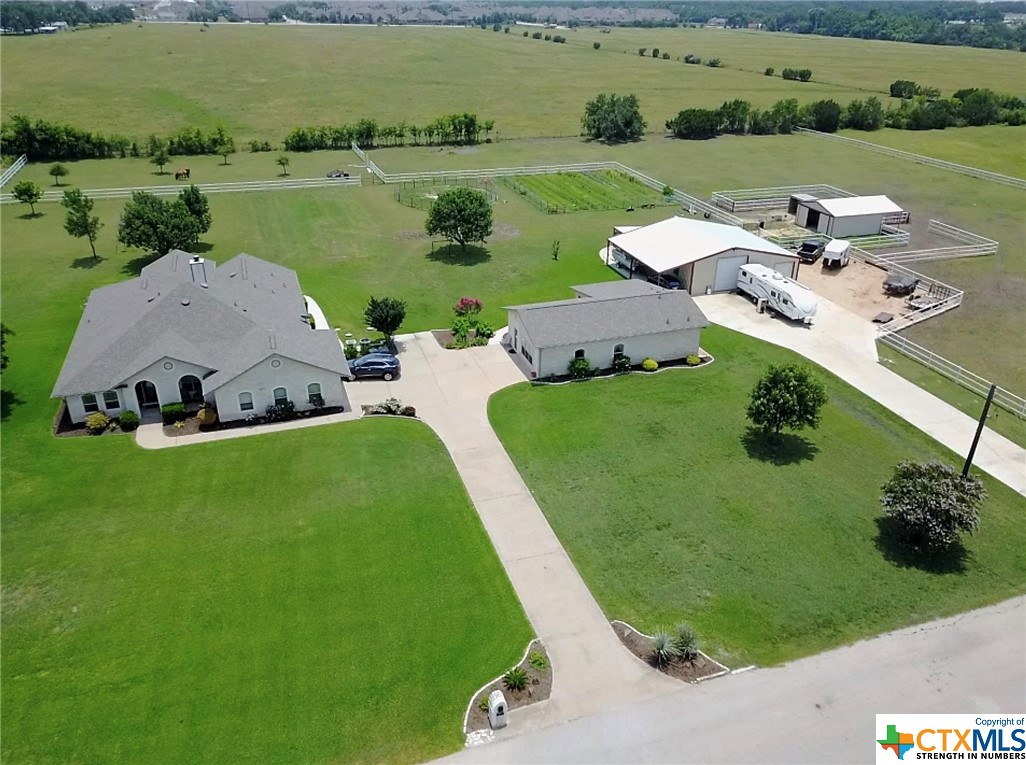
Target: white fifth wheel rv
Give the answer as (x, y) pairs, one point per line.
(785, 296)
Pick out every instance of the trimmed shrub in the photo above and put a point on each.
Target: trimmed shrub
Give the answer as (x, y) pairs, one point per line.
(281, 412)
(664, 648)
(388, 406)
(666, 57)
(526, 33)
(536, 36)
(578, 369)
(650, 365)
(769, 71)
(622, 364)
(128, 421)
(685, 641)
(350, 351)
(207, 416)
(172, 413)
(596, 45)
(485, 331)
(693, 360)
(515, 679)
(97, 422)
(408, 411)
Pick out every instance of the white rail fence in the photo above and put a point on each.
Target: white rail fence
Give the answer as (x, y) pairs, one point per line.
(960, 375)
(892, 237)
(206, 188)
(773, 197)
(694, 204)
(954, 167)
(973, 245)
(12, 171)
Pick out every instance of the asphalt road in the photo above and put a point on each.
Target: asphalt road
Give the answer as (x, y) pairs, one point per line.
(817, 710)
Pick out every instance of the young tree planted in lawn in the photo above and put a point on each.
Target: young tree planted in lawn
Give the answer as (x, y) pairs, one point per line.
(386, 315)
(769, 71)
(931, 504)
(79, 220)
(787, 396)
(283, 161)
(156, 225)
(613, 118)
(28, 193)
(223, 143)
(160, 158)
(57, 172)
(460, 215)
(196, 203)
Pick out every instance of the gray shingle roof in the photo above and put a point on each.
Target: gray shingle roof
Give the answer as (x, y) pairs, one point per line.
(618, 288)
(248, 310)
(583, 320)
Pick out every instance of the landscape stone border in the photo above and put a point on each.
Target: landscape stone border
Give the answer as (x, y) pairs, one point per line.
(473, 697)
(707, 359)
(724, 669)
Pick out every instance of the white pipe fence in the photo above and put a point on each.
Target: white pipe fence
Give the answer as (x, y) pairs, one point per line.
(206, 188)
(958, 374)
(773, 197)
(954, 167)
(973, 245)
(12, 171)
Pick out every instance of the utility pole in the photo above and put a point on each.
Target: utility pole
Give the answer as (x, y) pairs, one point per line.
(979, 432)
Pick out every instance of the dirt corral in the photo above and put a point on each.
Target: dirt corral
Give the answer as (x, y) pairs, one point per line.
(858, 287)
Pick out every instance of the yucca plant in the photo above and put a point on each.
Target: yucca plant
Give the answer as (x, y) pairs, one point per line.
(515, 679)
(664, 648)
(685, 641)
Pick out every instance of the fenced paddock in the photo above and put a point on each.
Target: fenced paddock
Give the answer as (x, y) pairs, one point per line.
(970, 245)
(773, 197)
(958, 374)
(420, 195)
(891, 237)
(593, 190)
(974, 172)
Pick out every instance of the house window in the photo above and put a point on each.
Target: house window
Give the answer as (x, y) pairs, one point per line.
(110, 400)
(313, 392)
(280, 396)
(89, 402)
(579, 353)
(618, 351)
(245, 401)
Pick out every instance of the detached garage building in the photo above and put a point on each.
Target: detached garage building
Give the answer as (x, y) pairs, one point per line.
(610, 319)
(702, 256)
(845, 217)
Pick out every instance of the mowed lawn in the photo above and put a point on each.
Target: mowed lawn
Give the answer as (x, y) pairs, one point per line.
(158, 78)
(317, 596)
(669, 515)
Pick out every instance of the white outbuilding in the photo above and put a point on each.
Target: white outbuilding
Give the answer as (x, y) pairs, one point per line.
(702, 256)
(845, 216)
(604, 322)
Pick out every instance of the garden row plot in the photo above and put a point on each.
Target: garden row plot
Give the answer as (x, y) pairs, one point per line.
(574, 192)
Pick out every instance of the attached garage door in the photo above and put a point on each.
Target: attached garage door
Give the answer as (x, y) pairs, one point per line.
(785, 267)
(726, 272)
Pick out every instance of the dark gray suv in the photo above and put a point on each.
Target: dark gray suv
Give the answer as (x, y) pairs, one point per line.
(381, 365)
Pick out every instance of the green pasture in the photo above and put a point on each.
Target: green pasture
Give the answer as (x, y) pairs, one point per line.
(157, 78)
(575, 192)
(673, 510)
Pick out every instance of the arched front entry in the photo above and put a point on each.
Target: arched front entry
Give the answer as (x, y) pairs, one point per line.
(190, 389)
(146, 394)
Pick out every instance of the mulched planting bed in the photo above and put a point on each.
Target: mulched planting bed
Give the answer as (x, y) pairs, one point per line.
(688, 671)
(192, 425)
(539, 687)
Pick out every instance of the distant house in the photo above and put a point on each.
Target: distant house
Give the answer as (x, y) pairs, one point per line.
(702, 256)
(716, 21)
(1015, 19)
(845, 216)
(236, 336)
(606, 320)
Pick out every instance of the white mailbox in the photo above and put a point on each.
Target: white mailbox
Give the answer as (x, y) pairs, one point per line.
(497, 709)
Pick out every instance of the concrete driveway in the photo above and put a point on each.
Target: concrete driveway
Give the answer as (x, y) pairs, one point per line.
(844, 343)
(592, 671)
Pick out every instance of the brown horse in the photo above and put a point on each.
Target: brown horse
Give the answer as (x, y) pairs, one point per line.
(182, 172)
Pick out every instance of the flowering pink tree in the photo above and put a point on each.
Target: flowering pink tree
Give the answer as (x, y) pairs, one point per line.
(468, 306)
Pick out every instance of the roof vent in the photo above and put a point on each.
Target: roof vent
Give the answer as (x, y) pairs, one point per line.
(233, 274)
(186, 301)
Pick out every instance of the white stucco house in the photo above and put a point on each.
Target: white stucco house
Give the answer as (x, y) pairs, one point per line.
(845, 216)
(606, 320)
(235, 336)
(702, 256)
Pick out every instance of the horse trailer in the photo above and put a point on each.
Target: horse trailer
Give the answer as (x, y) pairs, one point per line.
(776, 292)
